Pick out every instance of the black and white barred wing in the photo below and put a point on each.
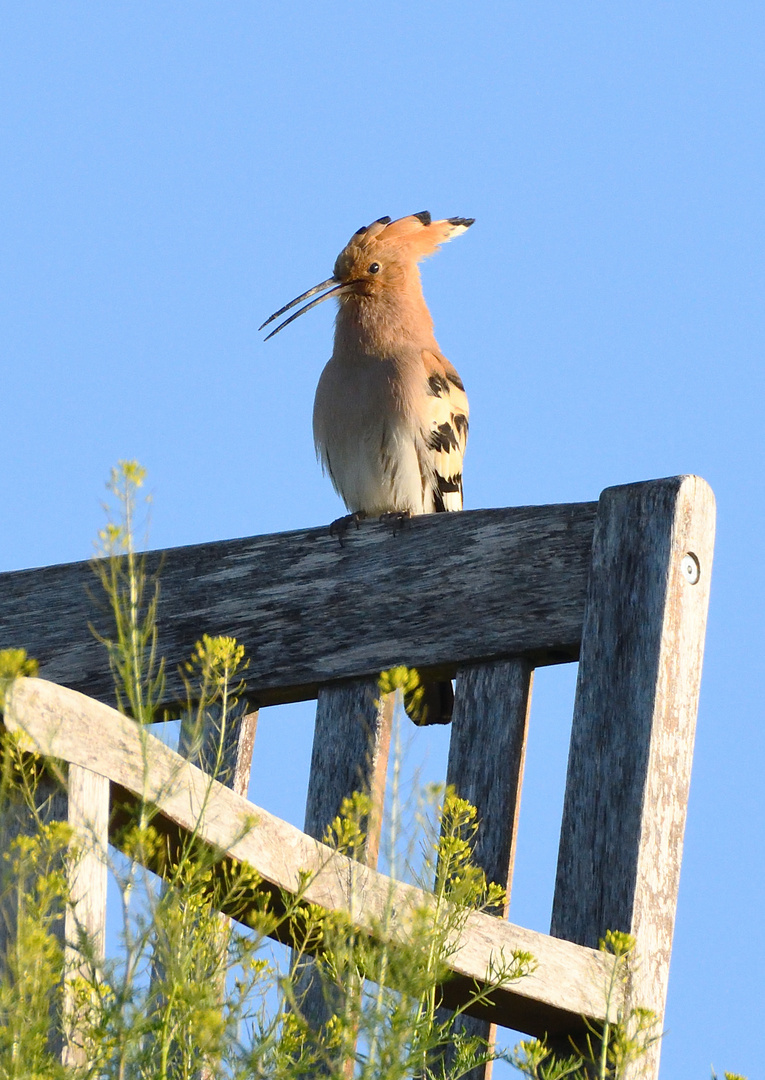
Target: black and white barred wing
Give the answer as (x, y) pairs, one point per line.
(446, 435)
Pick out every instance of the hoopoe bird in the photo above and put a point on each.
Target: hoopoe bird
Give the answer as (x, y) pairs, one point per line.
(390, 417)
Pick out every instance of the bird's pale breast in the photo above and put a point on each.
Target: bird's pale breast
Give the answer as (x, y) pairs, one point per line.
(387, 434)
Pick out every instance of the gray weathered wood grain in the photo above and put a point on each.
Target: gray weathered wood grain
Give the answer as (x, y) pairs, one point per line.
(567, 985)
(82, 800)
(310, 612)
(21, 814)
(221, 747)
(18, 818)
(486, 754)
(487, 750)
(634, 721)
(350, 753)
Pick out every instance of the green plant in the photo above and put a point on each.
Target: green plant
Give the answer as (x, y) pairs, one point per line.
(14, 664)
(383, 990)
(33, 895)
(132, 594)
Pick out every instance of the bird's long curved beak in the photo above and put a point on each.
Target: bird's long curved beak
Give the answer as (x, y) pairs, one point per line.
(331, 284)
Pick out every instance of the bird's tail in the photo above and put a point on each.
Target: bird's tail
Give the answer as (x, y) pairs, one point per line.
(432, 703)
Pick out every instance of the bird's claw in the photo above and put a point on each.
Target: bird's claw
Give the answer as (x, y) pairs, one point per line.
(340, 526)
(397, 519)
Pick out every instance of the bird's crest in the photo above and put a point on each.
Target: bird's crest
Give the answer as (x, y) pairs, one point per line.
(401, 243)
(416, 234)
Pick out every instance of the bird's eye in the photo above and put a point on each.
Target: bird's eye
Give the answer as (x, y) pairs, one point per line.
(374, 268)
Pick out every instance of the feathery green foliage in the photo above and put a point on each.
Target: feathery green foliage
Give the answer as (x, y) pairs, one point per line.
(33, 891)
(132, 594)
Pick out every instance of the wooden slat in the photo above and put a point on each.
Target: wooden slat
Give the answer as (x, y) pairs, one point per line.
(567, 985)
(88, 815)
(84, 804)
(486, 756)
(226, 753)
(18, 818)
(350, 753)
(634, 720)
(310, 612)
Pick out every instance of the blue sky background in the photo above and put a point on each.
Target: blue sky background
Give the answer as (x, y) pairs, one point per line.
(170, 174)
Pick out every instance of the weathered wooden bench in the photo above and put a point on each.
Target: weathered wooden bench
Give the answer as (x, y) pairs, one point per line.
(485, 596)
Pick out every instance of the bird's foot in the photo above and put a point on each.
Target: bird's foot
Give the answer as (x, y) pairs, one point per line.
(341, 525)
(397, 519)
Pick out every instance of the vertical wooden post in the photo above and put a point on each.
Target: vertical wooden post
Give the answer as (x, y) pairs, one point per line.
(350, 753)
(634, 721)
(18, 819)
(85, 919)
(486, 757)
(227, 756)
(82, 800)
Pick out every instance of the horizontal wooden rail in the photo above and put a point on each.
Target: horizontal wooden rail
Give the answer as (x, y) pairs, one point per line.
(568, 984)
(310, 612)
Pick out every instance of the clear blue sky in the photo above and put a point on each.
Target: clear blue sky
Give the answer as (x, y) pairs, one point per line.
(170, 174)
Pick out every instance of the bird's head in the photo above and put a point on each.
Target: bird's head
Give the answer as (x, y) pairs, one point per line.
(379, 257)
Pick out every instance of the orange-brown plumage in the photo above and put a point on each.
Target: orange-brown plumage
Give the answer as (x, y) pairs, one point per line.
(391, 414)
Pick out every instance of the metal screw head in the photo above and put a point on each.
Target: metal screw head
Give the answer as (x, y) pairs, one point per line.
(690, 569)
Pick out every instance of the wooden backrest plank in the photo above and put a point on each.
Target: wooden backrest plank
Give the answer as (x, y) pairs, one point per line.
(84, 804)
(310, 612)
(87, 795)
(634, 721)
(350, 752)
(487, 750)
(21, 814)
